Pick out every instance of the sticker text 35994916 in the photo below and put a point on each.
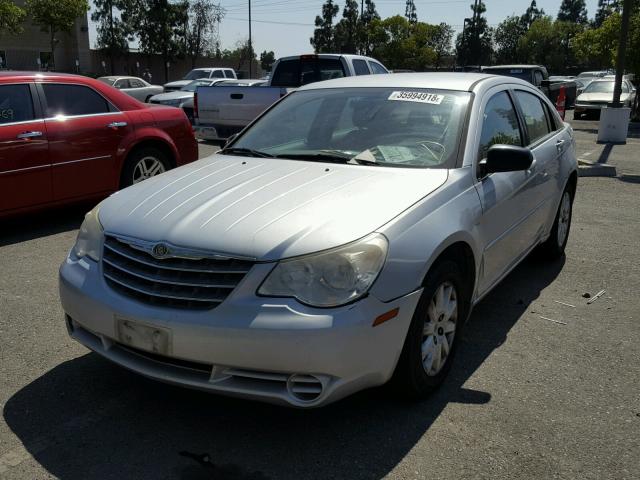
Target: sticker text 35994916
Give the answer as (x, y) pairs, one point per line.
(421, 97)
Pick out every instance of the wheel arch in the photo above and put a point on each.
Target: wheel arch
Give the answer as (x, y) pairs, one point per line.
(154, 142)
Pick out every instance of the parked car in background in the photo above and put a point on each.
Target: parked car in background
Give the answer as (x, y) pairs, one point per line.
(133, 86)
(581, 84)
(177, 98)
(223, 111)
(245, 82)
(199, 73)
(537, 75)
(600, 92)
(66, 138)
(593, 74)
(340, 241)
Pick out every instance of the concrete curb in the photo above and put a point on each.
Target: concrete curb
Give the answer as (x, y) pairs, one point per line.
(588, 169)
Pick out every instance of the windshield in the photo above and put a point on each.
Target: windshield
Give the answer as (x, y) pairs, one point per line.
(193, 74)
(107, 80)
(375, 126)
(604, 87)
(191, 87)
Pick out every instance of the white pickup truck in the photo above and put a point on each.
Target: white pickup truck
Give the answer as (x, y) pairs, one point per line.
(220, 112)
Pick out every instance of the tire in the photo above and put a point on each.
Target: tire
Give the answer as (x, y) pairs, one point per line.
(143, 163)
(416, 377)
(554, 246)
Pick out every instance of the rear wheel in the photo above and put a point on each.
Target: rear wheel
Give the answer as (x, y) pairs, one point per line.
(434, 332)
(142, 164)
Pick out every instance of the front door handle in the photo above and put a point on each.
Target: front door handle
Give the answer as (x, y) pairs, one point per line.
(25, 135)
(117, 124)
(560, 144)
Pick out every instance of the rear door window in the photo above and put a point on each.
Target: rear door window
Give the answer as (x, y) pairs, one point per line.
(135, 83)
(217, 74)
(535, 119)
(228, 74)
(69, 100)
(16, 104)
(360, 67)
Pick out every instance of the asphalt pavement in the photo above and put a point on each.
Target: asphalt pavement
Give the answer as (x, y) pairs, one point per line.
(545, 385)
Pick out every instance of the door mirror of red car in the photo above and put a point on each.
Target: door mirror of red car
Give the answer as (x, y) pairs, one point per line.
(506, 158)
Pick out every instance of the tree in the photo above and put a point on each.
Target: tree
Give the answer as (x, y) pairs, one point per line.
(11, 18)
(240, 56)
(531, 14)
(506, 37)
(160, 29)
(114, 33)
(201, 29)
(369, 14)
(410, 12)
(323, 35)
(475, 45)
(54, 16)
(346, 30)
(605, 9)
(267, 59)
(574, 11)
(549, 43)
(440, 42)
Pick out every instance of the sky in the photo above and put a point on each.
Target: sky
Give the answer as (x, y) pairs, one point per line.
(285, 26)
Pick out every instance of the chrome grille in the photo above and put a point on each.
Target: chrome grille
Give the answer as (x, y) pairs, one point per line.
(191, 283)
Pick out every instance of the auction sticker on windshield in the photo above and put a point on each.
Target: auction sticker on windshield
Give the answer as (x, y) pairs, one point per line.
(422, 97)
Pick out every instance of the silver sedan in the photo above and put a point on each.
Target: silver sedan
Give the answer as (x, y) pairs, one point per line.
(133, 86)
(338, 242)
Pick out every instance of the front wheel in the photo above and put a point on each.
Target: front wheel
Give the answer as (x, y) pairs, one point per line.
(434, 332)
(142, 164)
(555, 245)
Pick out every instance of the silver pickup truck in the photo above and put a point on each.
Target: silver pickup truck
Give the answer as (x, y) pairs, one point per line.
(220, 112)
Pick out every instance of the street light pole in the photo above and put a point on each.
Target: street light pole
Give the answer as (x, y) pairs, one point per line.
(622, 50)
(250, 45)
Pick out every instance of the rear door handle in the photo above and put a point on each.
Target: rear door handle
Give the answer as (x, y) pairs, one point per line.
(25, 135)
(116, 124)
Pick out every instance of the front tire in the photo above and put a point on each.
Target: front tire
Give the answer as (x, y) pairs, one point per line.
(555, 245)
(434, 333)
(142, 164)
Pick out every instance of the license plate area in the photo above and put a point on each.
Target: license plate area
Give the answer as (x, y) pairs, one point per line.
(143, 336)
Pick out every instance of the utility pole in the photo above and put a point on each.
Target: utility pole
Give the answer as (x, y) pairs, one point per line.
(250, 45)
(476, 34)
(361, 8)
(622, 50)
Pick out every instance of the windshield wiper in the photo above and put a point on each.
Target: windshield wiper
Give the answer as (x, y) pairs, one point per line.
(318, 156)
(248, 152)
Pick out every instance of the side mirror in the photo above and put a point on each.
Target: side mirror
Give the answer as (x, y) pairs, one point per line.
(506, 158)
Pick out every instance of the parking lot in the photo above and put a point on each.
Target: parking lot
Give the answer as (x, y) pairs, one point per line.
(545, 384)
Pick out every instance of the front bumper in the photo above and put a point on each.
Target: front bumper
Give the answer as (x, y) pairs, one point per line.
(268, 349)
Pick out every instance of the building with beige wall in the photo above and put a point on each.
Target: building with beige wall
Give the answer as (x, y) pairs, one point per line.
(22, 52)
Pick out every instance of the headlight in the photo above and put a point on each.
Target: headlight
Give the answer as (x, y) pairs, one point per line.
(330, 278)
(89, 238)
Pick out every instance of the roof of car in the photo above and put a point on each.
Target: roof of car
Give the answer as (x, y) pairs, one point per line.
(30, 74)
(438, 80)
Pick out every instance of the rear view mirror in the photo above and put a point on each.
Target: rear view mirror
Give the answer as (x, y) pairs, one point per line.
(506, 158)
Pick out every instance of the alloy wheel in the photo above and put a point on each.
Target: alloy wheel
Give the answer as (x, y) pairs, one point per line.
(146, 168)
(564, 217)
(439, 328)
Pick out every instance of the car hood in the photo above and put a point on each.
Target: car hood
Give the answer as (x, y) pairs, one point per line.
(172, 96)
(177, 84)
(600, 97)
(265, 209)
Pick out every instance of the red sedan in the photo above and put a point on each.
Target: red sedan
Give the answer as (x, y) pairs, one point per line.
(66, 138)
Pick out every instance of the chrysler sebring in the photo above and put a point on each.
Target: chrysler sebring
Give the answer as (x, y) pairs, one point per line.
(338, 243)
